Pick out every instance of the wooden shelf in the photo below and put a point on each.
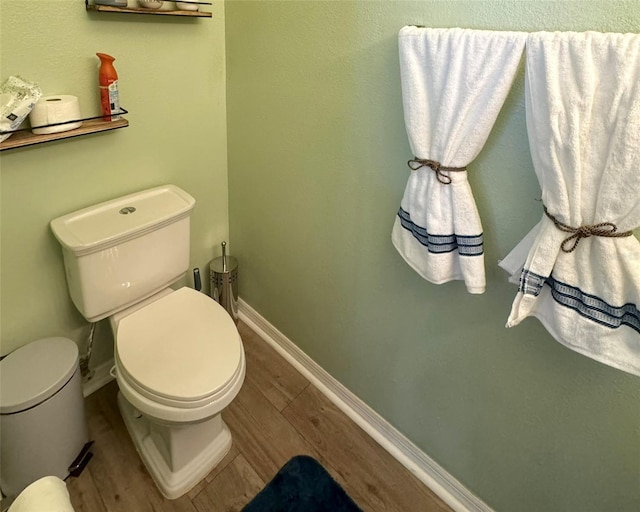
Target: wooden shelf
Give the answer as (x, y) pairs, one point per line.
(26, 138)
(141, 10)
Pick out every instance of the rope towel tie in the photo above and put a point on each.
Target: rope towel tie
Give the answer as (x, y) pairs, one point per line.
(605, 229)
(437, 167)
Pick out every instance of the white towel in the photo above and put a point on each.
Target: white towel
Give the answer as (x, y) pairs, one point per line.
(454, 83)
(48, 494)
(583, 119)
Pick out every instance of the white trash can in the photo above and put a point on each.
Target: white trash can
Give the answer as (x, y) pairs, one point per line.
(43, 429)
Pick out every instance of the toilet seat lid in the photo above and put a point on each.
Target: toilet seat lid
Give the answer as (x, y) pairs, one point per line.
(36, 372)
(183, 347)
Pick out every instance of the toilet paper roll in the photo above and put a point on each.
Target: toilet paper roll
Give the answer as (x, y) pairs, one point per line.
(55, 109)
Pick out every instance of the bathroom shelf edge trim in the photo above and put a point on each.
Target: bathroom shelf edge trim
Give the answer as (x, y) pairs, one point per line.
(133, 10)
(26, 138)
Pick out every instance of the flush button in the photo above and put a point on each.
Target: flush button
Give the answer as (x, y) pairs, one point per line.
(127, 210)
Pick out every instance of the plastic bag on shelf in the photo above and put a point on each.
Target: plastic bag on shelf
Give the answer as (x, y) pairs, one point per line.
(17, 99)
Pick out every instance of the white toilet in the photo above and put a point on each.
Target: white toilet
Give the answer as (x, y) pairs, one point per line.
(179, 360)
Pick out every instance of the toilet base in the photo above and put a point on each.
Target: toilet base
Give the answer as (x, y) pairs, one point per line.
(176, 456)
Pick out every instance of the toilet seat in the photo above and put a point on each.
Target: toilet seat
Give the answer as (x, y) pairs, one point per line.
(182, 351)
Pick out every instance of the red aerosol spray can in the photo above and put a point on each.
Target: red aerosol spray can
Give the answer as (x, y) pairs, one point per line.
(108, 80)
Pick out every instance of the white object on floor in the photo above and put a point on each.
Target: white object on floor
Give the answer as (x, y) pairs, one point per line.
(454, 83)
(49, 494)
(176, 465)
(175, 422)
(179, 359)
(42, 422)
(583, 120)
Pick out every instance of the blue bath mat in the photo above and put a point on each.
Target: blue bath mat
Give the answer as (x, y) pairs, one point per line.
(302, 485)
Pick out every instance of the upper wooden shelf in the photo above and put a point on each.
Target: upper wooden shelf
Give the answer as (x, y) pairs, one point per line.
(27, 138)
(141, 10)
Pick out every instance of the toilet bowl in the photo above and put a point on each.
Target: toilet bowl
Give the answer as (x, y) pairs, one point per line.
(171, 397)
(179, 359)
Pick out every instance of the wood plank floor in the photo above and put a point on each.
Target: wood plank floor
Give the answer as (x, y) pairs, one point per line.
(278, 414)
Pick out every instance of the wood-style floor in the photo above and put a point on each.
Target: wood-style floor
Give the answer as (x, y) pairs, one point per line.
(276, 415)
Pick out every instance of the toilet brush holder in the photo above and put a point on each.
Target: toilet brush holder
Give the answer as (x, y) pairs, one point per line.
(223, 274)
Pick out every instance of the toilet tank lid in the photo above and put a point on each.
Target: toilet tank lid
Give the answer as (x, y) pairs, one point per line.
(106, 224)
(35, 372)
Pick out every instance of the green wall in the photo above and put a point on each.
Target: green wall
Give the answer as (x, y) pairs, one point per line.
(172, 80)
(317, 167)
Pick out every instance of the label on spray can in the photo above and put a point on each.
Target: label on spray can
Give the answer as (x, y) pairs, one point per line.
(114, 100)
(110, 100)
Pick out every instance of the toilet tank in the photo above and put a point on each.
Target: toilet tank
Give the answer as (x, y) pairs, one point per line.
(121, 251)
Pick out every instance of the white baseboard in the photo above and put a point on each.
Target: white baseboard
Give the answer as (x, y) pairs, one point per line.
(99, 378)
(452, 492)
